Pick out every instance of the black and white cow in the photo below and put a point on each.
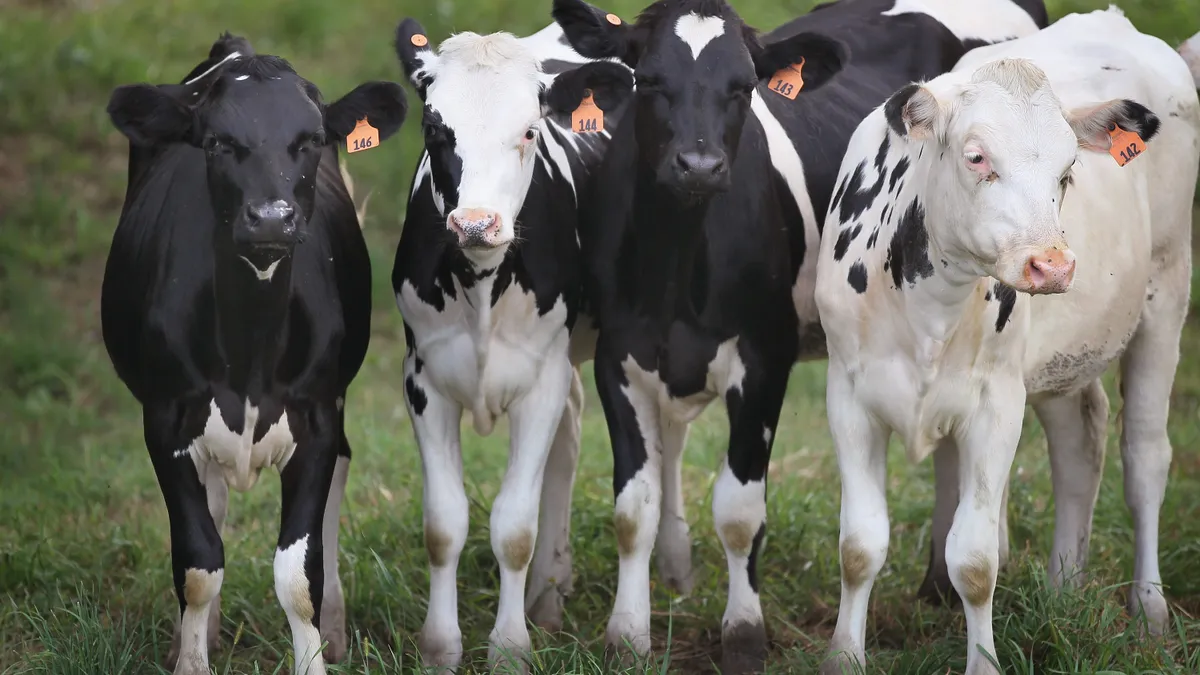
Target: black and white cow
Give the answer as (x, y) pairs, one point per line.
(488, 279)
(1035, 228)
(236, 308)
(702, 245)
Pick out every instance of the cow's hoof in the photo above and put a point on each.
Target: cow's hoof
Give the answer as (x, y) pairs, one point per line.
(546, 612)
(440, 651)
(1148, 608)
(509, 656)
(841, 663)
(744, 649)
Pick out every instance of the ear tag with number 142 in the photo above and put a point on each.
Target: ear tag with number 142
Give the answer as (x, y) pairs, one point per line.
(1125, 145)
(364, 137)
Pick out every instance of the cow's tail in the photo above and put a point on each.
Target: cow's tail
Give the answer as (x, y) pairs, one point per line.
(360, 210)
(1190, 51)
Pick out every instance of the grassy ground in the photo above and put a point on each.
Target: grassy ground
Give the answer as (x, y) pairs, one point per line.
(84, 560)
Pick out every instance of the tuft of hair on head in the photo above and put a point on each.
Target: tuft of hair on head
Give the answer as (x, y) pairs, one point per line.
(1019, 77)
(491, 52)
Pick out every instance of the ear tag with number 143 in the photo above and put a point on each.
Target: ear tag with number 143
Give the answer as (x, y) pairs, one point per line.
(788, 82)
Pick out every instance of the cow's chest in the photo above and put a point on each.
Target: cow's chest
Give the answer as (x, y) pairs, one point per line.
(240, 448)
(480, 352)
(686, 376)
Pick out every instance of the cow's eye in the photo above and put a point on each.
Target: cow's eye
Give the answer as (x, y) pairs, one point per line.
(530, 134)
(974, 158)
(318, 138)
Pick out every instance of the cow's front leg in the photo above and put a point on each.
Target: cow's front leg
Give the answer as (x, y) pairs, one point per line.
(300, 555)
(632, 415)
(987, 442)
(197, 554)
(861, 445)
(533, 421)
(740, 509)
(435, 419)
(549, 580)
(333, 603)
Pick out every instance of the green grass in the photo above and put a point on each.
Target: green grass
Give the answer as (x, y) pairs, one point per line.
(85, 583)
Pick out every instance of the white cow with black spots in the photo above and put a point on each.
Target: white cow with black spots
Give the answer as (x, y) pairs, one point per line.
(1009, 185)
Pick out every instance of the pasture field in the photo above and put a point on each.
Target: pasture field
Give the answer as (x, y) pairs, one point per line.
(85, 581)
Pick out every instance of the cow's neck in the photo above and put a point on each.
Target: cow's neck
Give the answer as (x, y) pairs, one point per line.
(251, 316)
(668, 240)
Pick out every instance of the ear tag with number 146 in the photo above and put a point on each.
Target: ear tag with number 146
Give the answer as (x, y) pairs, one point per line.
(364, 137)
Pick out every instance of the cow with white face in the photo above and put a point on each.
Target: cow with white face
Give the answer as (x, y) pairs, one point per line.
(487, 279)
(1015, 253)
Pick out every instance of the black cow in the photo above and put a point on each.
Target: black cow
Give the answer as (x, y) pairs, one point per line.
(488, 278)
(701, 251)
(236, 308)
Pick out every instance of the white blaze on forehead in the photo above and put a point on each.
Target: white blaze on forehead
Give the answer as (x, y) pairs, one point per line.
(697, 31)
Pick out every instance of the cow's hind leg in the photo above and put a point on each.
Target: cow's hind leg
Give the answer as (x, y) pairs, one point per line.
(300, 554)
(550, 572)
(533, 420)
(674, 544)
(861, 445)
(197, 554)
(1076, 430)
(333, 604)
(740, 510)
(1147, 374)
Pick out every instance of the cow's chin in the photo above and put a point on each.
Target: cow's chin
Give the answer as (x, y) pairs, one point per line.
(485, 255)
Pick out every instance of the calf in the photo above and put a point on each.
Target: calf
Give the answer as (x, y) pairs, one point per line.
(702, 248)
(951, 299)
(236, 308)
(487, 278)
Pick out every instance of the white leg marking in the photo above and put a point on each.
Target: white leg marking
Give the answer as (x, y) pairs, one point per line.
(514, 520)
(674, 544)
(738, 513)
(697, 31)
(861, 445)
(445, 511)
(199, 590)
(986, 447)
(291, 585)
(1076, 431)
(333, 602)
(550, 572)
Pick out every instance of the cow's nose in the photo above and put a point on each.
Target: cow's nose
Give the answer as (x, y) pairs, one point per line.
(700, 172)
(270, 223)
(475, 227)
(1051, 271)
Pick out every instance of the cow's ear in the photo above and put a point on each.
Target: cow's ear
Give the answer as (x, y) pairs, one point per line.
(148, 115)
(416, 55)
(595, 33)
(383, 104)
(610, 83)
(913, 112)
(819, 58)
(1092, 124)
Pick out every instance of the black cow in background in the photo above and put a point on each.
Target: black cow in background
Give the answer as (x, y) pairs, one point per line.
(236, 309)
(701, 252)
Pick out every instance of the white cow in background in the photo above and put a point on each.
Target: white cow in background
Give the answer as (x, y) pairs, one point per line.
(1014, 257)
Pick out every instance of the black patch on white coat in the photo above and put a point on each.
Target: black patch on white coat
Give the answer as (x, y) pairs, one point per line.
(416, 396)
(908, 253)
(1008, 299)
(752, 561)
(858, 277)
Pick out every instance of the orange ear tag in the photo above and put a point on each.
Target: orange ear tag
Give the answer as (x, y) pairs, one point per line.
(788, 82)
(587, 117)
(613, 19)
(419, 40)
(364, 137)
(1125, 145)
